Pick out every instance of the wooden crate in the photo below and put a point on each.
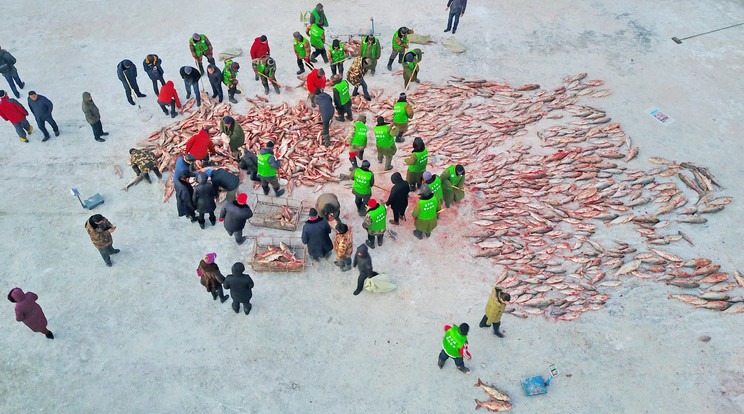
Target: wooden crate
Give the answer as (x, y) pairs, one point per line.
(261, 245)
(264, 207)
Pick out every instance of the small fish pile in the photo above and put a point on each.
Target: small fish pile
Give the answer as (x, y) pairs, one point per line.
(286, 217)
(278, 258)
(499, 402)
(351, 46)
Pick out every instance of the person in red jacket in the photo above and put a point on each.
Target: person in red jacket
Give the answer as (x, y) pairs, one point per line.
(260, 49)
(168, 96)
(315, 80)
(12, 110)
(200, 146)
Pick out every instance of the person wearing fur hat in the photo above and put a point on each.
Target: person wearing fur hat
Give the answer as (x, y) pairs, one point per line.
(100, 229)
(453, 182)
(435, 185)
(402, 113)
(214, 74)
(425, 213)
(200, 46)
(29, 312)
(363, 262)
(234, 133)
(240, 285)
(12, 111)
(375, 222)
(211, 278)
(316, 235)
(267, 166)
(357, 140)
(417, 163)
(203, 199)
(384, 138)
(364, 179)
(235, 214)
(341, 98)
(343, 244)
(398, 198)
(338, 56)
(224, 180)
(494, 309)
(143, 161)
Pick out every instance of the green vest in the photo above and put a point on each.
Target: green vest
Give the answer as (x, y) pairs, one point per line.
(361, 181)
(383, 137)
(422, 158)
(428, 208)
(316, 33)
(343, 92)
(379, 217)
(338, 55)
(436, 188)
(454, 178)
(200, 47)
(453, 341)
(412, 64)
(400, 116)
(317, 17)
(226, 74)
(300, 48)
(364, 46)
(360, 135)
(264, 168)
(395, 45)
(262, 68)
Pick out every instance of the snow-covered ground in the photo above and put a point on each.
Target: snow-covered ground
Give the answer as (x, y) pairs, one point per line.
(144, 336)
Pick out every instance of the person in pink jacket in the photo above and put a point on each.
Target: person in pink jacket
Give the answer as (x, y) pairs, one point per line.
(29, 312)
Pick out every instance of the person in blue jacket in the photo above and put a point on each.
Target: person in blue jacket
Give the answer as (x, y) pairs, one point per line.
(127, 73)
(183, 164)
(42, 107)
(154, 68)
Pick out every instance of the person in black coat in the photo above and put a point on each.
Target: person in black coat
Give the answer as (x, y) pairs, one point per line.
(191, 76)
(240, 286)
(223, 179)
(42, 107)
(215, 79)
(325, 106)
(363, 262)
(154, 68)
(249, 162)
(398, 198)
(235, 215)
(204, 199)
(316, 235)
(184, 197)
(127, 73)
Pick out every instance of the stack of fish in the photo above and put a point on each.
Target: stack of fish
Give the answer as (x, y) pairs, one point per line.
(499, 402)
(279, 258)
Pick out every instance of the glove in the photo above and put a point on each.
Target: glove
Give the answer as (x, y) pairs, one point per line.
(221, 219)
(199, 272)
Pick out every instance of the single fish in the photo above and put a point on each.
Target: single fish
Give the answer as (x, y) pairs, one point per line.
(493, 392)
(495, 406)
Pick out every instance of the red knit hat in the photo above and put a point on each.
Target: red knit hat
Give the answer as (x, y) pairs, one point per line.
(372, 203)
(242, 198)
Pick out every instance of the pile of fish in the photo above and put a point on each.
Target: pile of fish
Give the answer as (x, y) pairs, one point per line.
(278, 259)
(286, 217)
(499, 402)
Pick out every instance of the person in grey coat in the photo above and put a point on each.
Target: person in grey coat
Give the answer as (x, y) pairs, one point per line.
(325, 105)
(235, 215)
(223, 179)
(316, 235)
(240, 286)
(203, 199)
(363, 262)
(456, 10)
(127, 73)
(9, 71)
(93, 117)
(42, 107)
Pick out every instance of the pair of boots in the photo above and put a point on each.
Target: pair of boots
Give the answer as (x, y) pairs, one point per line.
(344, 264)
(462, 367)
(231, 96)
(354, 164)
(399, 138)
(278, 191)
(276, 89)
(220, 294)
(483, 324)
(246, 307)
(370, 242)
(212, 219)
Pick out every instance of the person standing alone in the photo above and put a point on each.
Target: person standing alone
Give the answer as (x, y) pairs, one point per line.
(127, 73)
(455, 346)
(494, 309)
(93, 117)
(100, 229)
(456, 10)
(29, 312)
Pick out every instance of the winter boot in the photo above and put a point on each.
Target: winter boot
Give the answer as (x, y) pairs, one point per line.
(49, 335)
(146, 176)
(247, 308)
(496, 329)
(370, 242)
(483, 321)
(213, 220)
(266, 89)
(399, 138)
(390, 65)
(173, 114)
(201, 223)
(224, 298)
(419, 235)
(464, 369)
(301, 71)
(440, 363)
(231, 96)
(379, 239)
(265, 190)
(338, 263)
(276, 88)
(411, 187)
(393, 222)
(130, 100)
(354, 164)
(326, 140)
(278, 191)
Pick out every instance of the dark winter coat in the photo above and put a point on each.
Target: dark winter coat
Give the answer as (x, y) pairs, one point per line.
(249, 161)
(239, 283)
(203, 197)
(214, 78)
(12, 110)
(180, 168)
(41, 107)
(316, 235)
(130, 72)
(211, 278)
(235, 216)
(191, 78)
(224, 179)
(28, 311)
(325, 105)
(184, 198)
(153, 74)
(457, 6)
(99, 234)
(7, 62)
(90, 109)
(362, 261)
(398, 198)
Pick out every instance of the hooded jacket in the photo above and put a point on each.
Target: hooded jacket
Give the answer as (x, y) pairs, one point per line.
(184, 198)
(235, 216)
(203, 197)
(398, 198)
(316, 235)
(200, 145)
(325, 200)
(239, 283)
(130, 72)
(315, 82)
(211, 278)
(28, 311)
(12, 110)
(41, 107)
(90, 109)
(259, 49)
(343, 244)
(362, 261)
(168, 92)
(224, 179)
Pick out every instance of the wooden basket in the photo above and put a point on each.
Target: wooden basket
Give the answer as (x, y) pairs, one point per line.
(266, 208)
(261, 245)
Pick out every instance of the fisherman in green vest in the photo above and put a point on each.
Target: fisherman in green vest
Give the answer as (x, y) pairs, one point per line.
(400, 44)
(455, 346)
(453, 182)
(267, 166)
(338, 56)
(402, 113)
(435, 185)
(357, 140)
(425, 213)
(384, 134)
(266, 67)
(318, 16)
(301, 51)
(370, 49)
(341, 98)
(317, 40)
(201, 46)
(375, 222)
(229, 78)
(364, 179)
(417, 163)
(411, 66)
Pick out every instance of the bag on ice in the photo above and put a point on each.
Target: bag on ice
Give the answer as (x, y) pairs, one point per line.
(230, 53)
(453, 45)
(379, 284)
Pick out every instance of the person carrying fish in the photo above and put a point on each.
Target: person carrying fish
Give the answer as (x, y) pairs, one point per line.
(316, 235)
(363, 262)
(169, 96)
(386, 148)
(234, 215)
(325, 107)
(200, 46)
(494, 309)
(318, 16)
(224, 180)
(455, 346)
(42, 107)
(240, 286)
(398, 198)
(143, 161)
(266, 171)
(266, 67)
(425, 213)
(12, 111)
(343, 244)
(402, 113)
(357, 140)
(229, 78)
(302, 51)
(370, 49)
(260, 48)
(203, 199)
(249, 162)
(100, 229)
(211, 278)
(234, 134)
(417, 163)
(338, 56)
(317, 41)
(201, 145)
(355, 76)
(435, 185)
(215, 80)
(153, 66)
(190, 76)
(453, 182)
(29, 312)
(364, 179)
(315, 80)
(328, 207)
(341, 98)
(375, 223)
(185, 197)
(400, 44)
(411, 66)
(127, 73)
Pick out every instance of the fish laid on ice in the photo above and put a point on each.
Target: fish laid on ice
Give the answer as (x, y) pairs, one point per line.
(492, 391)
